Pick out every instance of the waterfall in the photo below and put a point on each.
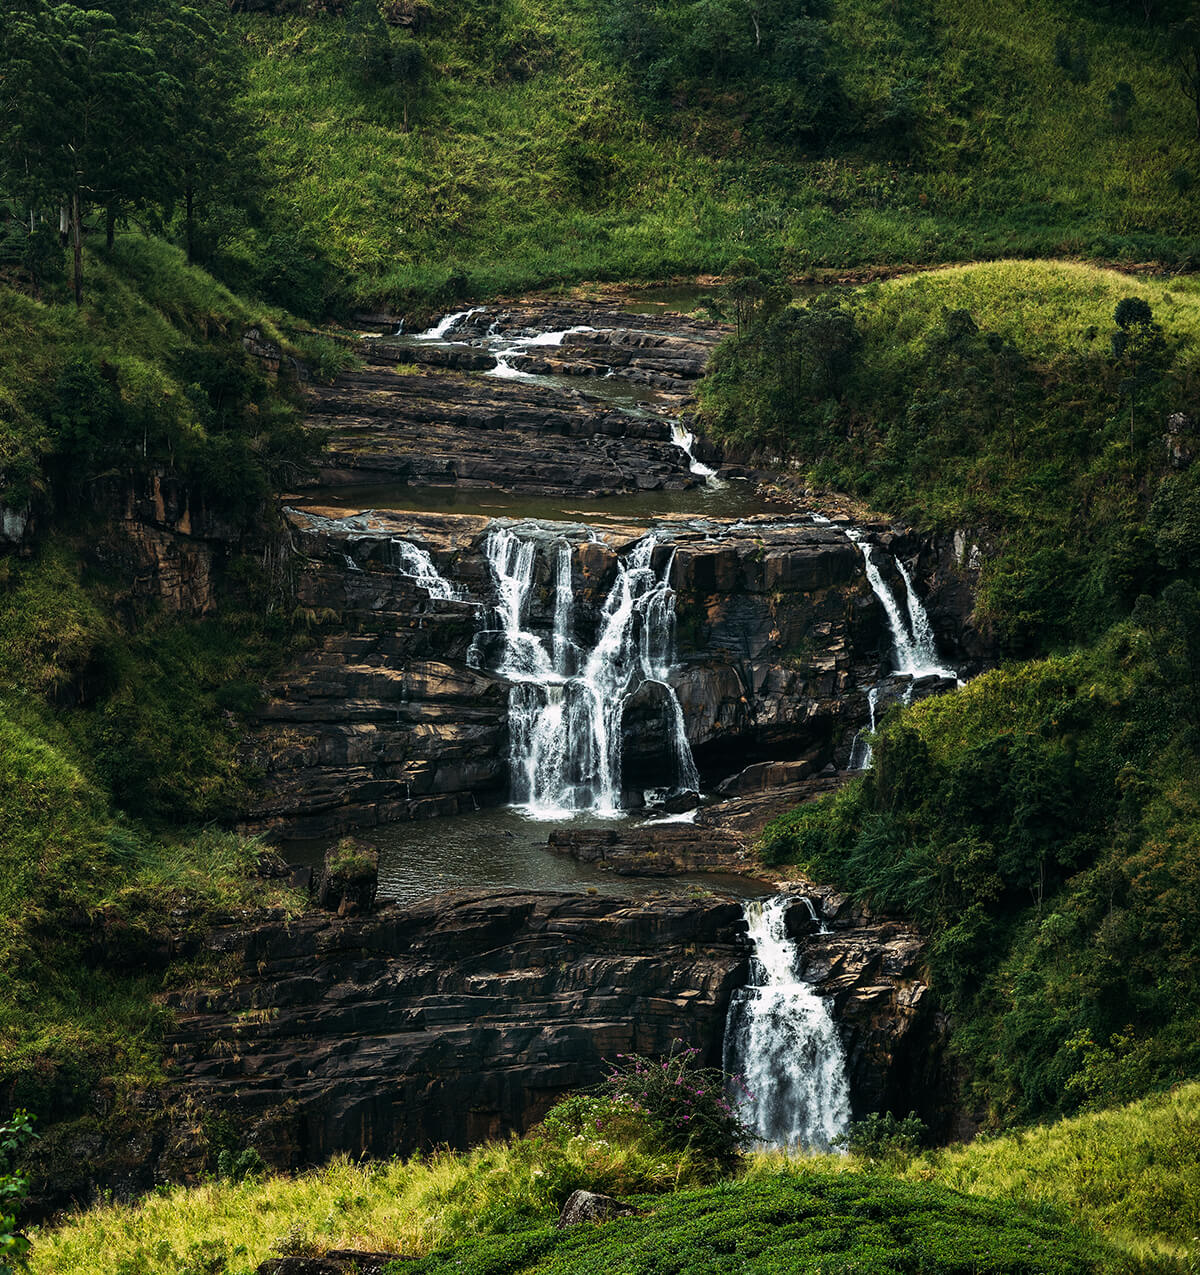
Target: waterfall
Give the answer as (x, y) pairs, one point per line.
(913, 646)
(447, 323)
(686, 441)
(861, 752)
(566, 704)
(414, 562)
(407, 559)
(519, 345)
(781, 1039)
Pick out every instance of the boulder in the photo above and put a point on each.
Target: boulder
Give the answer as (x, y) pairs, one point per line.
(349, 878)
(590, 1206)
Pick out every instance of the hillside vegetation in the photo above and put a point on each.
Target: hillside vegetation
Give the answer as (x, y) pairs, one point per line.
(1041, 824)
(541, 142)
(1111, 1192)
(119, 719)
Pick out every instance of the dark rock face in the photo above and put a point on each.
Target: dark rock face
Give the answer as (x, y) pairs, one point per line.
(446, 1022)
(445, 430)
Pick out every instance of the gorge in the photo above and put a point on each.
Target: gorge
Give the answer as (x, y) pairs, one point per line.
(594, 669)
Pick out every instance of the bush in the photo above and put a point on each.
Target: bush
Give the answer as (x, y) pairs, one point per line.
(15, 1133)
(687, 1106)
(881, 1137)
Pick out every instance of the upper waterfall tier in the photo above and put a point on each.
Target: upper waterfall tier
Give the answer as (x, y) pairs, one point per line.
(778, 635)
(567, 700)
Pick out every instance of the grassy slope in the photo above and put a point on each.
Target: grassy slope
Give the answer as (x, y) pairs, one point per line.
(95, 799)
(1013, 157)
(1129, 1174)
(1037, 460)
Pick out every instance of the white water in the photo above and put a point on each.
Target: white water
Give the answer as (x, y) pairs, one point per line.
(405, 558)
(519, 345)
(446, 324)
(414, 562)
(914, 649)
(861, 752)
(781, 1039)
(566, 704)
(685, 441)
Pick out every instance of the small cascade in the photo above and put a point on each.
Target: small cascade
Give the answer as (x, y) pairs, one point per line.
(414, 562)
(913, 646)
(686, 441)
(566, 704)
(519, 345)
(861, 752)
(446, 324)
(781, 1039)
(405, 558)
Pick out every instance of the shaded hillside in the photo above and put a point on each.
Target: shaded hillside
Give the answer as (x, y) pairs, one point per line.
(541, 141)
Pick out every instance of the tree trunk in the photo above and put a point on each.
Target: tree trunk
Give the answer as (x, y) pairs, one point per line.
(110, 225)
(77, 247)
(189, 221)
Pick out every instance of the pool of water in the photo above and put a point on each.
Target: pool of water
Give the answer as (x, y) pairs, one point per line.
(500, 849)
(735, 500)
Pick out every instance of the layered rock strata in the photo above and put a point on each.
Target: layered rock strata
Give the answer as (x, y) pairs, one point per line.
(447, 1022)
(777, 633)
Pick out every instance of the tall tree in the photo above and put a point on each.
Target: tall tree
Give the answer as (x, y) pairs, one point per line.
(83, 115)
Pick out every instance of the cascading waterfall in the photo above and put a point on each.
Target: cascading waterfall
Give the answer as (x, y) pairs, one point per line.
(781, 1039)
(405, 558)
(861, 752)
(447, 323)
(566, 704)
(913, 647)
(519, 345)
(413, 561)
(686, 441)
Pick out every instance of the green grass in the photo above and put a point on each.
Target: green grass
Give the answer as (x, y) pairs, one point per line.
(1018, 433)
(1116, 1190)
(1009, 157)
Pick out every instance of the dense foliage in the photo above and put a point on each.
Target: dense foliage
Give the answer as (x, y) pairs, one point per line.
(1042, 825)
(1029, 403)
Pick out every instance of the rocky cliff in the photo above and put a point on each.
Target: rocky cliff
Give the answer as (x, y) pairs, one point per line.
(447, 1022)
(778, 637)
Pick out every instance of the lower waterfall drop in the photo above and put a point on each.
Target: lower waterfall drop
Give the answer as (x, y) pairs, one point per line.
(566, 704)
(781, 1039)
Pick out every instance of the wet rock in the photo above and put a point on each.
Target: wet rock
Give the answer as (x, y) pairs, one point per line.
(590, 1206)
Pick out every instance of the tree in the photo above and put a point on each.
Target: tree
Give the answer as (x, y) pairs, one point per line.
(1140, 349)
(211, 148)
(84, 116)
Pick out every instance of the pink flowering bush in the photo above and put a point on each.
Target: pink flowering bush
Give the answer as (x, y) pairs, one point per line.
(688, 1107)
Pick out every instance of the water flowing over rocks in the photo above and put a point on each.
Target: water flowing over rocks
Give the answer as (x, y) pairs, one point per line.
(777, 634)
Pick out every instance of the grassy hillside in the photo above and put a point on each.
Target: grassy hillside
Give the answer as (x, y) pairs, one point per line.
(1115, 1191)
(119, 720)
(989, 398)
(540, 152)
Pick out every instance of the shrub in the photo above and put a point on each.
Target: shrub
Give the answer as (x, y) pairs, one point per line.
(881, 1137)
(15, 1132)
(688, 1106)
